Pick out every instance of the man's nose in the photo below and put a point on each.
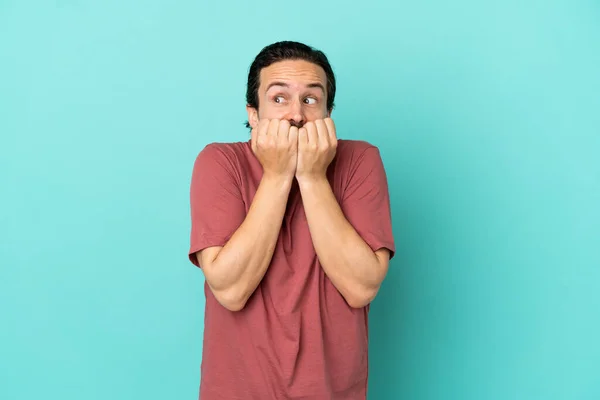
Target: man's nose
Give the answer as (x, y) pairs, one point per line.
(295, 114)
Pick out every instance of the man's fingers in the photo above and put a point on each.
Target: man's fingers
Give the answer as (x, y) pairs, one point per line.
(254, 137)
(273, 128)
(323, 135)
(331, 130)
(312, 134)
(263, 125)
(284, 130)
(259, 134)
(293, 135)
(302, 137)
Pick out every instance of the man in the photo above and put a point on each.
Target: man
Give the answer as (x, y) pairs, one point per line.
(292, 231)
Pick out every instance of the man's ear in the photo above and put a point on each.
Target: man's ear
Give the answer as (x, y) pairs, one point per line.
(252, 116)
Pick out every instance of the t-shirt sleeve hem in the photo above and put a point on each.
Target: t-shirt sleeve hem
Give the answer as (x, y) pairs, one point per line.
(203, 244)
(378, 244)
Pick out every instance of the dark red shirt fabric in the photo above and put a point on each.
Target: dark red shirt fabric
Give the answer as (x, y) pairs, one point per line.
(296, 338)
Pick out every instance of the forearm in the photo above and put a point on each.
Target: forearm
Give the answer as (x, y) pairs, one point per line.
(351, 265)
(241, 264)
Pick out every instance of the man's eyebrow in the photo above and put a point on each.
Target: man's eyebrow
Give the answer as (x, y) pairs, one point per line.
(282, 84)
(285, 85)
(316, 85)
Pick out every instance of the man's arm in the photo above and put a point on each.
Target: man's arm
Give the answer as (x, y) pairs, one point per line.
(234, 249)
(234, 271)
(351, 265)
(353, 242)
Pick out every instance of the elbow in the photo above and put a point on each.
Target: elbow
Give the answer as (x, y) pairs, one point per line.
(232, 296)
(234, 306)
(361, 293)
(231, 299)
(361, 297)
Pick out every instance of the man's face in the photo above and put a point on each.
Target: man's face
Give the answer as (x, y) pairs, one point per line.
(294, 90)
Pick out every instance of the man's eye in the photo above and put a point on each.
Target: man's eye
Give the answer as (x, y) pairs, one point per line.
(278, 99)
(310, 100)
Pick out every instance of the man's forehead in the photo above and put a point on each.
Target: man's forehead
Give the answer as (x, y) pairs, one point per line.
(293, 73)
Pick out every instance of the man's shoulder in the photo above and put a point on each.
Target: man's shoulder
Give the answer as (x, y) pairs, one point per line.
(232, 151)
(229, 157)
(227, 148)
(354, 145)
(353, 150)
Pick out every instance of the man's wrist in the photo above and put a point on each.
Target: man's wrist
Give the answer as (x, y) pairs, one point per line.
(312, 180)
(280, 181)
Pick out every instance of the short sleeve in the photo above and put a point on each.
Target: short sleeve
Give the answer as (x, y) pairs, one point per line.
(366, 201)
(216, 204)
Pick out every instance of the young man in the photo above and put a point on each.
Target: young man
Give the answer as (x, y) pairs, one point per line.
(292, 230)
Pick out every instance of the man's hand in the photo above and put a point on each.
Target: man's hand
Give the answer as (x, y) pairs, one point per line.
(275, 144)
(317, 143)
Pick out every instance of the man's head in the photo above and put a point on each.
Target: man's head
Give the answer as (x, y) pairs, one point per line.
(292, 81)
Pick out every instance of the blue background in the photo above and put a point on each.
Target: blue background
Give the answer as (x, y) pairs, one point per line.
(488, 118)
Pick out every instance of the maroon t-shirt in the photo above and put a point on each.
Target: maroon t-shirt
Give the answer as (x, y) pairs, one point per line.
(296, 338)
